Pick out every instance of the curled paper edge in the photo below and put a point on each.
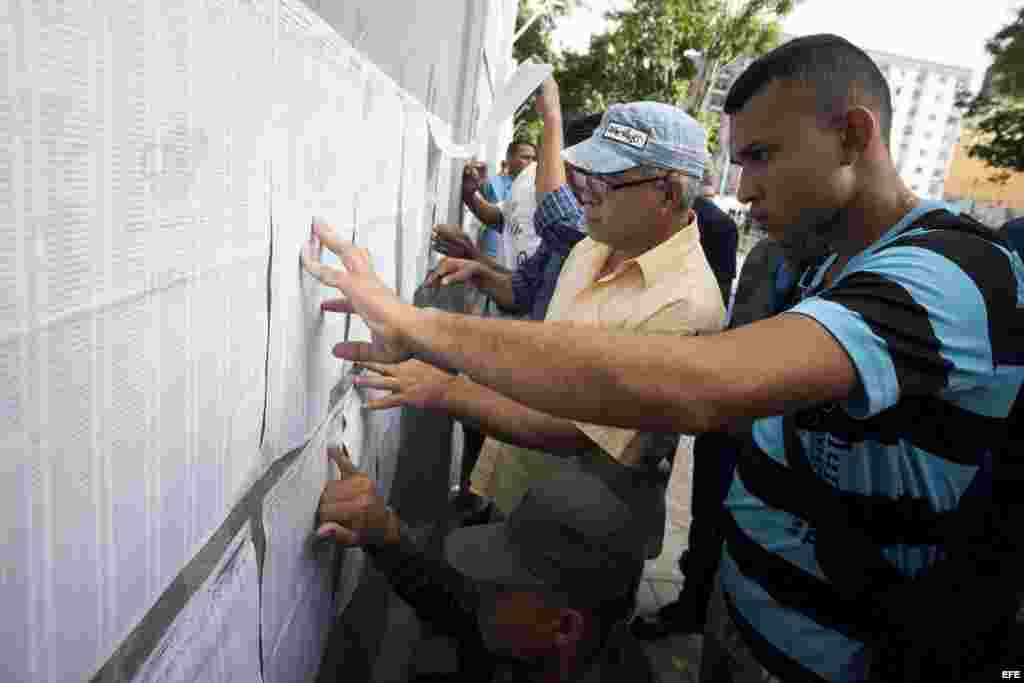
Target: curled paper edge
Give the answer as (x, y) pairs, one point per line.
(527, 78)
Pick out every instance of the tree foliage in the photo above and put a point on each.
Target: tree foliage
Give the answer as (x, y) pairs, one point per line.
(997, 112)
(536, 44)
(642, 55)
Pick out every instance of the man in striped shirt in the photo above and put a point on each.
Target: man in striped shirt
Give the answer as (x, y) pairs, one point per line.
(858, 516)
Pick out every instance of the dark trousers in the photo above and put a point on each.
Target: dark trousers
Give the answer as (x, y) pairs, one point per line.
(714, 460)
(474, 441)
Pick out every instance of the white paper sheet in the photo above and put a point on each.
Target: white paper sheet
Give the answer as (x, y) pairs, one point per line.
(508, 99)
(17, 461)
(214, 639)
(415, 212)
(297, 593)
(352, 433)
(136, 192)
(130, 191)
(380, 178)
(322, 96)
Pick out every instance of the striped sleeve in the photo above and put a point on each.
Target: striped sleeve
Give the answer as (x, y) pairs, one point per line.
(923, 314)
(559, 208)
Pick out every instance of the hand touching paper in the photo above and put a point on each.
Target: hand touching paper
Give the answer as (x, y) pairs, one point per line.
(351, 511)
(368, 297)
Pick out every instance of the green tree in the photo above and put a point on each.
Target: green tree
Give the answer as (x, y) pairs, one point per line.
(536, 44)
(643, 54)
(997, 112)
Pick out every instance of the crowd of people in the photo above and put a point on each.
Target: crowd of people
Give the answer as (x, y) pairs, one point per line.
(853, 417)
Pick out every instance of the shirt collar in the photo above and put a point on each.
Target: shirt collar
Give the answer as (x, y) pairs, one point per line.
(666, 260)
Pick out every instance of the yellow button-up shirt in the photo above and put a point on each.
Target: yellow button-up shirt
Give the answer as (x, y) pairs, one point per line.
(669, 289)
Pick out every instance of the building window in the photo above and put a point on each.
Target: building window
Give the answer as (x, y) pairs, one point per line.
(931, 117)
(924, 152)
(927, 136)
(898, 90)
(908, 130)
(943, 79)
(919, 170)
(917, 94)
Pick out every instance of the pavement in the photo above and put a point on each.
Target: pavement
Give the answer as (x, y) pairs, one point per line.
(675, 659)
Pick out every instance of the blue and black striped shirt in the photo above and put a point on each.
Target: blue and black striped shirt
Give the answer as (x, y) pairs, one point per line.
(932, 322)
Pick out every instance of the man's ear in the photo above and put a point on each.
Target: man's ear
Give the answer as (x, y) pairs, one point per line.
(675, 191)
(859, 128)
(570, 627)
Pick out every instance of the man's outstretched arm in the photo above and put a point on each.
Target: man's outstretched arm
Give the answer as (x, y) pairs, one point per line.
(495, 284)
(687, 385)
(418, 384)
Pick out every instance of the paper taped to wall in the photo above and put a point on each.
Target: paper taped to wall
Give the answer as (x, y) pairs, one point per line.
(512, 95)
(213, 639)
(297, 593)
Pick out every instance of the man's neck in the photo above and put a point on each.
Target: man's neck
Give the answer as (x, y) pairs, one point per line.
(872, 213)
(621, 254)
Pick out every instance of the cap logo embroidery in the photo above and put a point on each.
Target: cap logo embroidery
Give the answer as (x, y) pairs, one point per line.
(626, 135)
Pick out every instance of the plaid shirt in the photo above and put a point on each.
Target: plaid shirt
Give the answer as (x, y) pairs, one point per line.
(559, 220)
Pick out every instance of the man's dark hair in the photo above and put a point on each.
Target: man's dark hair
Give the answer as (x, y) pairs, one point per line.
(518, 143)
(580, 128)
(841, 74)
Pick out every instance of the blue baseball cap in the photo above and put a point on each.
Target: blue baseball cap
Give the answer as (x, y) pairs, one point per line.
(643, 134)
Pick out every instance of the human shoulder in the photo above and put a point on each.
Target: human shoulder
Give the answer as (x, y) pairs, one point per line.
(711, 214)
(582, 248)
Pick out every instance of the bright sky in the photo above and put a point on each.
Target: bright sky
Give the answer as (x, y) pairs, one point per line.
(949, 33)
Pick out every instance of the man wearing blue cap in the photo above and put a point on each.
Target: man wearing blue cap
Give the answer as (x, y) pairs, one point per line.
(641, 268)
(875, 483)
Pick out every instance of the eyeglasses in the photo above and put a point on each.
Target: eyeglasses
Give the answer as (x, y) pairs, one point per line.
(601, 185)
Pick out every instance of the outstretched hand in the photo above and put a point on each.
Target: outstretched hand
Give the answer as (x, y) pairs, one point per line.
(365, 295)
(450, 271)
(412, 383)
(451, 241)
(474, 174)
(548, 101)
(351, 512)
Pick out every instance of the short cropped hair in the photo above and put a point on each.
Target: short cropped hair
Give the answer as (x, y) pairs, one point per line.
(691, 187)
(841, 74)
(518, 143)
(580, 128)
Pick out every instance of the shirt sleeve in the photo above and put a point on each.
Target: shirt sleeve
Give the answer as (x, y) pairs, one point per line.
(528, 278)
(924, 314)
(559, 208)
(678, 495)
(436, 591)
(481, 481)
(489, 192)
(629, 446)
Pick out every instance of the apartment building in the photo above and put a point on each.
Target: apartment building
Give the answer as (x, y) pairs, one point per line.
(926, 122)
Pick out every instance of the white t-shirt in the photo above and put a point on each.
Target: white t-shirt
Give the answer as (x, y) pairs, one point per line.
(519, 239)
